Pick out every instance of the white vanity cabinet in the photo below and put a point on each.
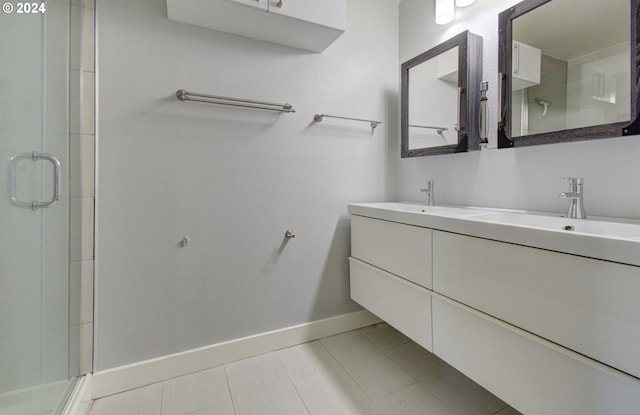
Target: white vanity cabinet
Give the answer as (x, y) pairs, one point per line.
(535, 376)
(392, 279)
(305, 24)
(402, 304)
(377, 242)
(587, 305)
(547, 332)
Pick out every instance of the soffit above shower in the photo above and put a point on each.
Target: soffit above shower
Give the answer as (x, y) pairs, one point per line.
(304, 24)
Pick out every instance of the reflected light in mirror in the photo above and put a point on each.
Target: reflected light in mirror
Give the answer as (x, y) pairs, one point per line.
(444, 11)
(581, 81)
(464, 3)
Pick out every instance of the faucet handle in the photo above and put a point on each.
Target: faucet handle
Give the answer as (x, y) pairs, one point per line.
(575, 185)
(576, 209)
(574, 180)
(430, 185)
(429, 190)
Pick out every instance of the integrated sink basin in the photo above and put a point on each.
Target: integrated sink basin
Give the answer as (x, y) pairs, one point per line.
(596, 228)
(601, 239)
(449, 211)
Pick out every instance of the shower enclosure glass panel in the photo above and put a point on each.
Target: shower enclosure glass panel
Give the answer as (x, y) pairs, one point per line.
(39, 347)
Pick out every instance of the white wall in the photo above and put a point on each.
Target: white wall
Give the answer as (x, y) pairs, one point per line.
(523, 178)
(233, 180)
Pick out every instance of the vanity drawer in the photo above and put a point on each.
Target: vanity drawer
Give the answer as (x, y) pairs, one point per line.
(587, 305)
(403, 250)
(534, 376)
(403, 305)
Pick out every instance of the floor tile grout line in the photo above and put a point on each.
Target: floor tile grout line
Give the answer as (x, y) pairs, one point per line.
(403, 368)
(345, 370)
(295, 387)
(161, 397)
(358, 384)
(382, 349)
(364, 393)
(427, 390)
(226, 377)
(385, 353)
(393, 361)
(426, 387)
(279, 361)
(435, 393)
(204, 382)
(317, 371)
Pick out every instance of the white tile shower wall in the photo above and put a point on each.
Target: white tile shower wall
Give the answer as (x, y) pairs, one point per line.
(233, 180)
(523, 178)
(598, 90)
(81, 180)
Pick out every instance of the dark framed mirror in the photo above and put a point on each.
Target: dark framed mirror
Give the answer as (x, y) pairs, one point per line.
(569, 71)
(440, 98)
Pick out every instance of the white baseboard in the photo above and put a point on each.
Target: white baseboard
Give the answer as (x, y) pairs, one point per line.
(144, 373)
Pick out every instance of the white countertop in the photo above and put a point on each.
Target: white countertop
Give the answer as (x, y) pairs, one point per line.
(602, 239)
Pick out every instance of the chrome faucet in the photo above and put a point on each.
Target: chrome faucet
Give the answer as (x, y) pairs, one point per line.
(429, 190)
(576, 208)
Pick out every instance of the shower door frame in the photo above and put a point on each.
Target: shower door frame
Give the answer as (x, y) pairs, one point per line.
(77, 243)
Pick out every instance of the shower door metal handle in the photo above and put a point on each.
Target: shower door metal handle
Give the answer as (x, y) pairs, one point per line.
(57, 177)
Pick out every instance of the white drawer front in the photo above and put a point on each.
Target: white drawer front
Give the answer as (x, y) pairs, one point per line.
(587, 305)
(403, 305)
(400, 249)
(534, 376)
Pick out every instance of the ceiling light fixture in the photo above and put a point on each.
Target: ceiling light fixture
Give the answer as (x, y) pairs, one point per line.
(445, 11)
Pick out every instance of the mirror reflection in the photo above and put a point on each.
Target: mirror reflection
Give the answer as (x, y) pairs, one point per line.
(440, 98)
(570, 66)
(434, 122)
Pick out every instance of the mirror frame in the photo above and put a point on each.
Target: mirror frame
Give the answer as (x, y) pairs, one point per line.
(618, 129)
(469, 78)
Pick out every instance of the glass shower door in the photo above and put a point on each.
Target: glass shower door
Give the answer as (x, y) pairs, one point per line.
(35, 355)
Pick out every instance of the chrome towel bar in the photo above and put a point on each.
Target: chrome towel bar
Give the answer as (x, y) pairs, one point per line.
(184, 95)
(439, 130)
(319, 117)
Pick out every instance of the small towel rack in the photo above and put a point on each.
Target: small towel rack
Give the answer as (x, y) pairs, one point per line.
(184, 95)
(319, 117)
(439, 130)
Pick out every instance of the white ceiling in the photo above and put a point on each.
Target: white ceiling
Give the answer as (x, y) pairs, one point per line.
(567, 29)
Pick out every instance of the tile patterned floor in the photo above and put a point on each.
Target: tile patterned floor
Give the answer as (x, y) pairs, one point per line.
(372, 371)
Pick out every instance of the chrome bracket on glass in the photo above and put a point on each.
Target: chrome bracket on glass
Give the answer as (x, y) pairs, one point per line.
(35, 156)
